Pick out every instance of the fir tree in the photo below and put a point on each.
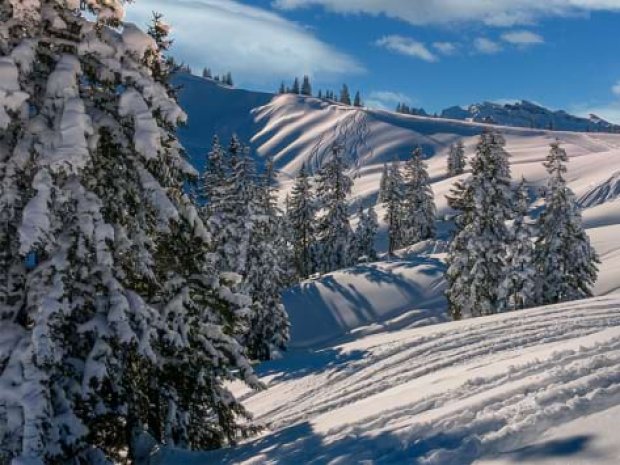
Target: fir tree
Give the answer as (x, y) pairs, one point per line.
(120, 329)
(265, 275)
(419, 210)
(295, 89)
(456, 159)
(345, 97)
(334, 230)
(215, 180)
(282, 89)
(357, 102)
(519, 285)
(478, 252)
(392, 198)
(207, 74)
(365, 235)
(565, 260)
(383, 183)
(302, 216)
(306, 87)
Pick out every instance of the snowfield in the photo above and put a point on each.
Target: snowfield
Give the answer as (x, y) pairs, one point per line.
(376, 375)
(495, 390)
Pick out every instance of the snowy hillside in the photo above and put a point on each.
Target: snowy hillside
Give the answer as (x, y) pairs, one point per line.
(529, 115)
(540, 387)
(296, 130)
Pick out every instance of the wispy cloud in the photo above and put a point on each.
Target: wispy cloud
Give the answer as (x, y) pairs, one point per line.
(486, 46)
(616, 89)
(503, 13)
(386, 99)
(407, 46)
(445, 48)
(523, 38)
(255, 44)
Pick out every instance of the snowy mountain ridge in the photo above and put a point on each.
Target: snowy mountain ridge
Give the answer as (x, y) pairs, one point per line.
(528, 115)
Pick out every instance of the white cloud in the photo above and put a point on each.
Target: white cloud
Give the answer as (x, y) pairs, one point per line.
(487, 46)
(523, 38)
(256, 45)
(505, 13)
(406, 46)
(445, 48)
(386, 99)
(616, 89)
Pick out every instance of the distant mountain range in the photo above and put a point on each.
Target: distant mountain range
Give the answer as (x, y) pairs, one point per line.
(526, 114)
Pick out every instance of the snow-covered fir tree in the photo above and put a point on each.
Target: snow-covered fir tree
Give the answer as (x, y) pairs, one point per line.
(456, 159)
(383, 183)
(306, 87)
(230, 203)
(478, 253)
(345, 96)
(120, 331)
(365, 235)
(215, 182)
(419, 212)
(334, 233)
(266, 274)
(565, 259)
(392, 198)
(519, 286)
(302, 216)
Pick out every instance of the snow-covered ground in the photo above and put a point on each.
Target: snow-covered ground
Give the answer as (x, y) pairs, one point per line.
(376, 375)
(404, 292)
(540, 387)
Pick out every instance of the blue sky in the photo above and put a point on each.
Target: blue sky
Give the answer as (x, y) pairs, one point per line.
(430, 53)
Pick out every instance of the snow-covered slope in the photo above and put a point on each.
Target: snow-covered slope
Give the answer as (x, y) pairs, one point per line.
(538, 387)
(404, 292)
(376, 375)
(529, 115)
(407, 292)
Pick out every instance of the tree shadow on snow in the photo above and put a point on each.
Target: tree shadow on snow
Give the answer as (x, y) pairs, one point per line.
(300, 363)
(557, 448)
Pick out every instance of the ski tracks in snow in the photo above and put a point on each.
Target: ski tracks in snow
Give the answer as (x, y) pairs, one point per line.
(476, 387)
(441, 395)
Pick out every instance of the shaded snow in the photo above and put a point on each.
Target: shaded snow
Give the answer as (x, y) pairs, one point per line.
(367, 298)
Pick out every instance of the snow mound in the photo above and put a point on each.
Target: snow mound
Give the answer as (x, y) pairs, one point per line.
(367, 298)
(459, 393)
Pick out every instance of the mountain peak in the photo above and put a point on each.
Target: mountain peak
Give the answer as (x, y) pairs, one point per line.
(524, 113)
